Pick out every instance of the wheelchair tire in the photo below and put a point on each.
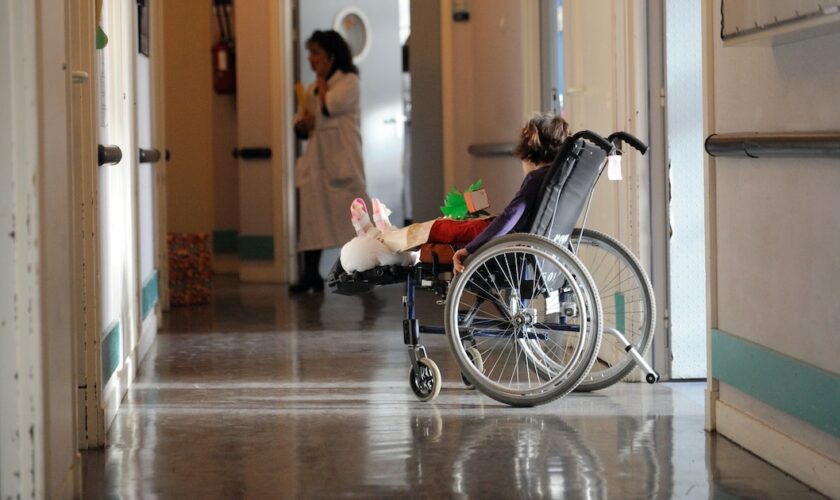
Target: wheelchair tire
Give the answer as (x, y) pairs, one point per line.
(426, 386)
(621, 281)
(509, 286)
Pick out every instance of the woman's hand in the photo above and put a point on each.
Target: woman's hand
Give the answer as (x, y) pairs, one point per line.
(458, 261)
(306, 122)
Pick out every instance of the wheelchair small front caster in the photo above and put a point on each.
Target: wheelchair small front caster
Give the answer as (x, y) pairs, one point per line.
(652, 378)
(475, 358)
(426, 386)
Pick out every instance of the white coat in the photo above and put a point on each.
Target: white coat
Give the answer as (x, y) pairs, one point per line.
(330, 173)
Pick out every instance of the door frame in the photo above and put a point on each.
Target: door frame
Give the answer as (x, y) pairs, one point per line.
(85, 240)
(659, 187)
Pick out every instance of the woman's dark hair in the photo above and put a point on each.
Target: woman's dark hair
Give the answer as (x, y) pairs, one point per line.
(541, 138)
(334, 45)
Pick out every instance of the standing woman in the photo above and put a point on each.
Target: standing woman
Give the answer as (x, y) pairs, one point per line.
(330, 174)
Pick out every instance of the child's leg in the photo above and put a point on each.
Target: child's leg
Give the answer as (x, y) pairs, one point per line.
(359, 217)
(457, 232)
(380, 216)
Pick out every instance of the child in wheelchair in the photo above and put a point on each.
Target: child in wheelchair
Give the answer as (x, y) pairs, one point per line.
(379, 243)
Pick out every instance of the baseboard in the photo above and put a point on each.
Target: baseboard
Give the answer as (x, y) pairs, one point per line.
(225, 263)
(117, 387)
(800, 461)
(71, 482)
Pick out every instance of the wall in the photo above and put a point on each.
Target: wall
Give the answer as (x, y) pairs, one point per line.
(37, 447)
(775, 385)
(21, 414)
(426, 115)
(189, 116)
(491, 84)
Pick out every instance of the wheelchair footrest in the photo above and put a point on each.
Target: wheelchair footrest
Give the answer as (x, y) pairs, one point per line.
(360, 282)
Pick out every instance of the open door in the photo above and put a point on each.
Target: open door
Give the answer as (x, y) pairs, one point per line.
(371, 28)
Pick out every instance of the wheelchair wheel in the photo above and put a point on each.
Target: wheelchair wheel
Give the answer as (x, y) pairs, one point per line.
(530, 309)
(426, 385)
(628, 305)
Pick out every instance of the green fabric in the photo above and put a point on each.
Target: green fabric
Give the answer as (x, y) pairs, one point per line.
(455, 207)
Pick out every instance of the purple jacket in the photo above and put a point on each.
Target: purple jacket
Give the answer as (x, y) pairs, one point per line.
(516, 214)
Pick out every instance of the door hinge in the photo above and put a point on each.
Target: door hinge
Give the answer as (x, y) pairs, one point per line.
(662, 97)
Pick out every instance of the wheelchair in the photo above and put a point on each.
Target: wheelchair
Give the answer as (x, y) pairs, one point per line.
(534, 315)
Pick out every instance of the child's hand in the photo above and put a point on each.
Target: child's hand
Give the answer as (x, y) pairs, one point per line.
(458, 261)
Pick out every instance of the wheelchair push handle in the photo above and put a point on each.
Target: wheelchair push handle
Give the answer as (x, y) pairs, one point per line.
(596, 139)
(616, 138)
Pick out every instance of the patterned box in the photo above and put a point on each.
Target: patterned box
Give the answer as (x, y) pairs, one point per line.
(190, 268)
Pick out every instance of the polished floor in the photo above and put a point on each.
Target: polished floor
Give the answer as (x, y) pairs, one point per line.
(260, 395)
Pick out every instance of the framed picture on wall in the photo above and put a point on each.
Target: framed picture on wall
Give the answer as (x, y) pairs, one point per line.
(143, 27)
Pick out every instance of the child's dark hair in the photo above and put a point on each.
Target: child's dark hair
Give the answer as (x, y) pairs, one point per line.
(541, 138)
(334, 45)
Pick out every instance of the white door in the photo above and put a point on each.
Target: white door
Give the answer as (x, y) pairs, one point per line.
(150, 159)
(119, 313)
(371, 27)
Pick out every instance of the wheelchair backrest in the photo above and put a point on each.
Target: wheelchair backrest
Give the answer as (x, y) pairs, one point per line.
(566, 189)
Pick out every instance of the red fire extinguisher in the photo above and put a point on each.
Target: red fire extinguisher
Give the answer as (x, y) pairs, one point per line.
(224, 56)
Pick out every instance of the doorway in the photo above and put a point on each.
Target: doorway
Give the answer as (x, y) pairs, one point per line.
(374, 30)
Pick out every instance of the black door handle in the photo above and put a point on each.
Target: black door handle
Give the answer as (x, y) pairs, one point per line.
(109, 154)
(252, 153)
(149, 155)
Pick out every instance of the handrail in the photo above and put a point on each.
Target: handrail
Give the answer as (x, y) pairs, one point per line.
(252, 153)
(491, 149)
(775, 145)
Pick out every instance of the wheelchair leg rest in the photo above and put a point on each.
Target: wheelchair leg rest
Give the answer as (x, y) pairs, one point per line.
(651, 375)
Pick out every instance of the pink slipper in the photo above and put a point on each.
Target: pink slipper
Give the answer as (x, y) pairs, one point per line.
(380, 216)
(359, 217)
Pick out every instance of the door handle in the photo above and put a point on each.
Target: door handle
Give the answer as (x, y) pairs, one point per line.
(149, 155)
(109, 155)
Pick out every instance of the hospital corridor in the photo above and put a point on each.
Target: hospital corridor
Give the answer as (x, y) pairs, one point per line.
(561, 249)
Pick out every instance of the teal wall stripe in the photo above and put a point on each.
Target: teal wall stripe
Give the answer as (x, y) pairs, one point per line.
(256, 247)
(619, 312)
(150, 293)
(792, 386)
(225, 241)
(111, 348)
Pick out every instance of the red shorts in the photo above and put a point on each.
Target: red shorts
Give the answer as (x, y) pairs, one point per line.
(456, 232)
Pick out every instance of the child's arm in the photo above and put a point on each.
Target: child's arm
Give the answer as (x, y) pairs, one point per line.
(518, 209)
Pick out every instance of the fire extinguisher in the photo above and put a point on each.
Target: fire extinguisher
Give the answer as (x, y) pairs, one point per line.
(224, 55)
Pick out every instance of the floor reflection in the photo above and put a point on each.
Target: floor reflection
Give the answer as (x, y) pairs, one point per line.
(263, 396)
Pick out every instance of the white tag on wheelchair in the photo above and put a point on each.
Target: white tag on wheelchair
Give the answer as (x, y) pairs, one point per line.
(552, 303)
(614, 167)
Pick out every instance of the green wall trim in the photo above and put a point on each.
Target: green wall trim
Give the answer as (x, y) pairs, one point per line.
(790, 385)
(111, 348)
(256, 247)
(150, 293)
(226, 241)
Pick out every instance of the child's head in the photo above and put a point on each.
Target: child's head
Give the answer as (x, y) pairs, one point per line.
(541, 139)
